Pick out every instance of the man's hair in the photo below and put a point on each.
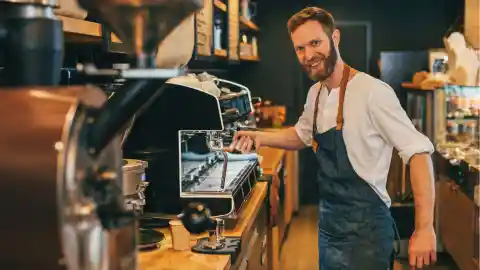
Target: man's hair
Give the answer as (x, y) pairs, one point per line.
(312, 14)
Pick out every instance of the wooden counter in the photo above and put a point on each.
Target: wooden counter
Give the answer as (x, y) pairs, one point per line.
(271, 159)
(458, 223)
(281, 211)
(251, 219)
(412, 86)
(165, 258)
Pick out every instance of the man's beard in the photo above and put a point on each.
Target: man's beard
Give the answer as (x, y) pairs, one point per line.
(328, 62)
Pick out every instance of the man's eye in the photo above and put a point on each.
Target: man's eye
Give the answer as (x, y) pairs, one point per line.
(315, 43)
(299, 49)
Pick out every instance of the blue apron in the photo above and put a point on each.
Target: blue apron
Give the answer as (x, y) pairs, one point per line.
(355, 226)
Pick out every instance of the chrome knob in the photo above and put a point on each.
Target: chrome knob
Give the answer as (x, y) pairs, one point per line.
(455, 162)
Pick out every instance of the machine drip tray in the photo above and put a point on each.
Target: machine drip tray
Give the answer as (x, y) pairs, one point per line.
(150, 239)
(232, 247)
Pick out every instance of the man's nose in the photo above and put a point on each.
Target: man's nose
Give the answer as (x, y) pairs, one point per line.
(309, 53)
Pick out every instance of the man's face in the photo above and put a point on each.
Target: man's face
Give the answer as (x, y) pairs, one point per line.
(315, 50)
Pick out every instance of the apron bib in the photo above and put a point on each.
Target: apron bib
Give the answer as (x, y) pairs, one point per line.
(355, 226)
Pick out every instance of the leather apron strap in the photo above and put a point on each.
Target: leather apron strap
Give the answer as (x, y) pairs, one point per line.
(343, 86)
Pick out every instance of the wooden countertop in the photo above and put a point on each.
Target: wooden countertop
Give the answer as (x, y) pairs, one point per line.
(165, 258)
(271, 158)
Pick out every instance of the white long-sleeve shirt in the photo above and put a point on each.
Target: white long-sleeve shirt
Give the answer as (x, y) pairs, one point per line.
(374, 123)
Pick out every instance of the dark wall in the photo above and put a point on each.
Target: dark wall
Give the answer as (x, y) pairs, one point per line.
(396, 26)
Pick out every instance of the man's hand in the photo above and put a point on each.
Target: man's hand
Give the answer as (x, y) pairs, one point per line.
(422, 248)
(244, 141)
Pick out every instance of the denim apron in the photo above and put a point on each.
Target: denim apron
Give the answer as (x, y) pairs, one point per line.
(355, 226)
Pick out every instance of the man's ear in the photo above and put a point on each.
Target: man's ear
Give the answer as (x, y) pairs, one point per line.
(336, 37)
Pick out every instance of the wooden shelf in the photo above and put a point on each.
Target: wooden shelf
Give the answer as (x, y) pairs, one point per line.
(248, 24)
(220, 53)
(220, 5)
(84, 28)
(410, 85)
(249, 58)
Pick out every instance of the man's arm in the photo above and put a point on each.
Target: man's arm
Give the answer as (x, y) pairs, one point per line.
(415, 148)
(294, 138)
(395, 127)
(421, 174)
(287, 139)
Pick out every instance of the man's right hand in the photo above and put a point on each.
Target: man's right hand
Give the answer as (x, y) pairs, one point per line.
(244, 141)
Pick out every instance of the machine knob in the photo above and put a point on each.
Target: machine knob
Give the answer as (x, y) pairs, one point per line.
(201, 168)
(211, 160)
(197, 219)
(193, 177)
(455, 162)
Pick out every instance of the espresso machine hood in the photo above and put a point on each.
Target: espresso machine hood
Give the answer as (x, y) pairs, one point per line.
(62, 163)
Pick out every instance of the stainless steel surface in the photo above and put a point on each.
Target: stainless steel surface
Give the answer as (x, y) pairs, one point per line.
(216, 238)
(51, 3)
(210, 180)
(220, 230)
(137, 201)
(142, 24)
(136, 73)
(50, 206)
(134, 185)
(213, 242)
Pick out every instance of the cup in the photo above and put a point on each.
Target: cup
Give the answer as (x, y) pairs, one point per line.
(180, 235)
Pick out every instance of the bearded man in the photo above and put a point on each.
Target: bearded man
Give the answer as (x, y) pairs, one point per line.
(353, 121)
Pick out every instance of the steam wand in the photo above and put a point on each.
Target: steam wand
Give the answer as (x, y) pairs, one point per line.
(224, 170)
(216, 145)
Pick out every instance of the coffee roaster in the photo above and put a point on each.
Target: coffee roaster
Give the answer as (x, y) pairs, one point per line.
(62, 162)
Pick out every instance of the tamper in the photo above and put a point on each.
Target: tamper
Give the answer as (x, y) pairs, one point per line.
(197, 219)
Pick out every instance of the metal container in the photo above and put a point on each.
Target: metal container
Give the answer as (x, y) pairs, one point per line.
(133, 175)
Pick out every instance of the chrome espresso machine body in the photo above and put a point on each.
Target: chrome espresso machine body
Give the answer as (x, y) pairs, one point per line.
(61, 171)
(208, 172)
(186, 150)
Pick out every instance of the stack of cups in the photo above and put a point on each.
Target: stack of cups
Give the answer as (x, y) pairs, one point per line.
(180, 235)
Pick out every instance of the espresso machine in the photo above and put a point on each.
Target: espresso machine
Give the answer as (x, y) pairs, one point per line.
(208, 171)
(213, 175)
(189, 165)
(61, 170)
(185, 149)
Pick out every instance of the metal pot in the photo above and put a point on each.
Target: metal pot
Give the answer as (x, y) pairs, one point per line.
(134, 184)
(133, 175)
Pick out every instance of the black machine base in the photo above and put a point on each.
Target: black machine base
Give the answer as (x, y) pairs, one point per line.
(150, 239)
(232, 247)
(153, 222)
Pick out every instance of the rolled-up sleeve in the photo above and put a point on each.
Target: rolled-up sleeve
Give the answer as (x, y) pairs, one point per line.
(305, 122)
(393, 124)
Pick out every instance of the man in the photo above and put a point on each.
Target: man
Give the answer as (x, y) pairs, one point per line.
(353, 121)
